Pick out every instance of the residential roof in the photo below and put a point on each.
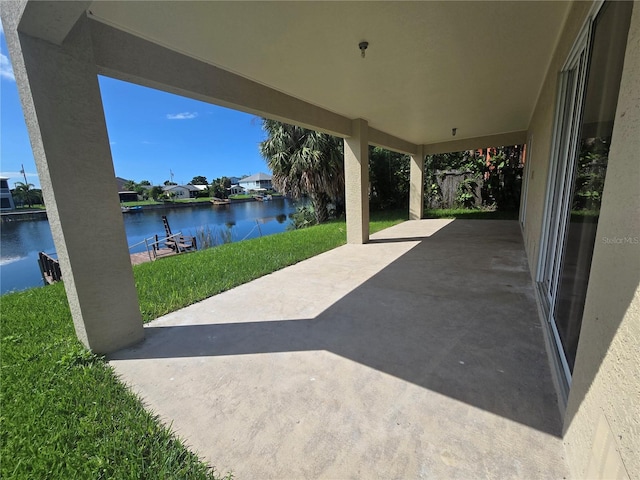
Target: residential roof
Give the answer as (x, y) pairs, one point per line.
(191, 188)
(120, 182)
(256, 177)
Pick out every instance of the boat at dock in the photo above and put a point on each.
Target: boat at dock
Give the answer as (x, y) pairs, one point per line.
(134, 209)
(220, 201)
(262, 198)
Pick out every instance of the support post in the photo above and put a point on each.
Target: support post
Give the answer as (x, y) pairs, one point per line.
(416, 186)
(61, 100)
(356, 179)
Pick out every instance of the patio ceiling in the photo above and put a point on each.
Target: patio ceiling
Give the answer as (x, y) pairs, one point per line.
(430, 66)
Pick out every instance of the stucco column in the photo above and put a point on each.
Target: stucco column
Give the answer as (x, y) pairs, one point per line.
(416, 186)
(356, 180)
(61, 101)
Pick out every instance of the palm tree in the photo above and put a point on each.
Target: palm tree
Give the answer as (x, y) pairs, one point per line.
(129, 186)
(219, 187)
(305, 162)
(24, 192)
(156, 192)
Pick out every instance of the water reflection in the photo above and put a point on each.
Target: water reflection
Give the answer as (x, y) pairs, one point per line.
(22, 240)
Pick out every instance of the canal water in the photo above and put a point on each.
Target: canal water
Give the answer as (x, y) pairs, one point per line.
(20, 241)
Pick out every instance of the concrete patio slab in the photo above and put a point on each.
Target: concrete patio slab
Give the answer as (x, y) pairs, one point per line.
(418, 355)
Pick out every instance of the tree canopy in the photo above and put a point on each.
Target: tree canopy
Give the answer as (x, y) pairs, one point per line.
(220, 187)
(487, 177)
(130, 185)
(156, 192)
(199, 180)
(305, 162)
(26, 193)
(389, 179)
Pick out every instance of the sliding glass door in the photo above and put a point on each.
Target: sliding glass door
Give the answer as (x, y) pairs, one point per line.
(585, 112)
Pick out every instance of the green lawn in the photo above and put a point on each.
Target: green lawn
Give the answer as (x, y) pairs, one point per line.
(193, 200)
(27, 208)
(140, 202)
(65, 415)
(470, 214)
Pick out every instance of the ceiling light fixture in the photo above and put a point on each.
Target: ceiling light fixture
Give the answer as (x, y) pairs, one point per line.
(363, 46)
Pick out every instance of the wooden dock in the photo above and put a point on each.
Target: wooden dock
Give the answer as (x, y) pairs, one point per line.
(143, 257)
(50, 267)
(172, 244)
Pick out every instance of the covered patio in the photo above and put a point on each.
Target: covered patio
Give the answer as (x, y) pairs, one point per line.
(418, 355)
(420, 352)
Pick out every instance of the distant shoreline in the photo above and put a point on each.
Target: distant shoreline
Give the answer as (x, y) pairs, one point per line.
(20, 215)
(24, 215)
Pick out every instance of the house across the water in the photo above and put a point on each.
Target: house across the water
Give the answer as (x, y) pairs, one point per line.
(256, 182)
(5, 195)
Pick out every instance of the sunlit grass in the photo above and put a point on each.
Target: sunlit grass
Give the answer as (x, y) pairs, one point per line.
(27, 208)
(140, 203)
(64, 413)
(470, 214)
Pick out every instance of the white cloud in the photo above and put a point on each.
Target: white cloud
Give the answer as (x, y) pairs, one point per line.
(17, 176)
(5, 68)
(182, 115)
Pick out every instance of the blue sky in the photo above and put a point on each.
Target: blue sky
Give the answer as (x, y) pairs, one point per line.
(151, 133)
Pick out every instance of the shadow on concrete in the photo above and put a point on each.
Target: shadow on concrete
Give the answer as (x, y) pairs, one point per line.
(396, 240)
(455, 315)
